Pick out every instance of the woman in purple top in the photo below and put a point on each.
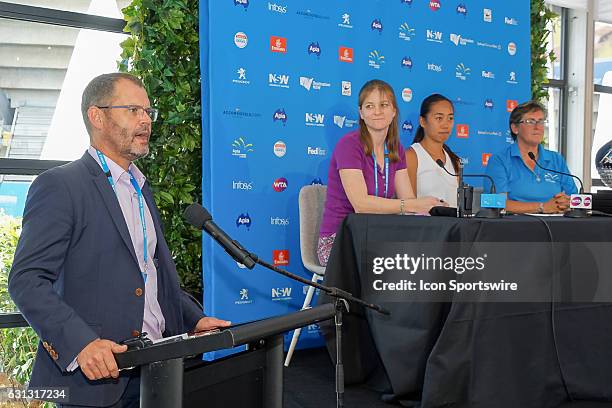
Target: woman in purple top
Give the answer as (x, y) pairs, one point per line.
(367, 173)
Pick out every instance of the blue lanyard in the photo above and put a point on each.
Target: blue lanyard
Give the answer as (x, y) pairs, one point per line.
(140, 206)
(386, 172)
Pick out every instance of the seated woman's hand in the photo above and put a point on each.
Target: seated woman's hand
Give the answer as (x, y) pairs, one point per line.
(424, 204)
(557, 204)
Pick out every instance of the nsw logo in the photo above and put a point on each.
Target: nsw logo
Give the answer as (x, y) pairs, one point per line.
(279, 294)
(407, 63)
(435, 5)
(377, 25)
(280, 184)
(314, 119)
(280, 115)
(462, 9)
(241, 39)
(243, 3)
(278, 44)
(280, 257)
(346, 21)
(314, 49)
(278, 81)
(406, 33)
(244, 220)
(434, 36)
(375, 59)
(240, 148)
(462, 72)
(463, 131)
(345, 54)
(408, 127)
(488, 104)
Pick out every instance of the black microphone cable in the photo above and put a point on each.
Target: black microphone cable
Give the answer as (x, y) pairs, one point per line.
(441, 164)
(532, 157)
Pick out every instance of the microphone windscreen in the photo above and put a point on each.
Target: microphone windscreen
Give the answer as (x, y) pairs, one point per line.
(531, 156)
(441, 211)
(196, 215)
(440, 163)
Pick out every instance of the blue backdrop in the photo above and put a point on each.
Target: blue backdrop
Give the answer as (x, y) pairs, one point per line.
(280, 81)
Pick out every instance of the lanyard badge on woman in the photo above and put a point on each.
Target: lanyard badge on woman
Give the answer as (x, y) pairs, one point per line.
(386, 172)
(140, 207)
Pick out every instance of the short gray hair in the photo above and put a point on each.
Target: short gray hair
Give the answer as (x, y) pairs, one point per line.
(100, 90)
(521, 110)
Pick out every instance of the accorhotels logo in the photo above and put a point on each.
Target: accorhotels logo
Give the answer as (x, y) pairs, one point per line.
(277, 8)
(280, 257)
(315, 49)
(434, 67)
(345, 54)
(280, 115)
(510, 21)
(278, 81)
(243, 3)
(406, 33)
(241, 39)
(511, 104)
(463, 131)
(280, 222)
(280, 184)
(488, 75)
(462, 9)
(242, 185)
(435, 5)
(278, 44)
(279, 294)
(434, 36)
(407, 63)
(244, 220)
(376, 26)
(240, 148)
(314, 119)
(316, 151)
(462, 72)
(375, 59)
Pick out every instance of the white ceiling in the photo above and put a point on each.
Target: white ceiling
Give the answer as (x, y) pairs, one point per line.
(603, 8)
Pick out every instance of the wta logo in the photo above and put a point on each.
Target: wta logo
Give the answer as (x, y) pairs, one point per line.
(314, 48)
(435, 5)
(280, 184)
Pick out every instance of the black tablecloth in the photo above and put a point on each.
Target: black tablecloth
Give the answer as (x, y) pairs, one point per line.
(473, 354)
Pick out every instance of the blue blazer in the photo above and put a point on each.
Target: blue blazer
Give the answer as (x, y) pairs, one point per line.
(75, 277)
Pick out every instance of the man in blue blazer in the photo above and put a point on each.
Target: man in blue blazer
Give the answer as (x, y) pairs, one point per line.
(92, 266)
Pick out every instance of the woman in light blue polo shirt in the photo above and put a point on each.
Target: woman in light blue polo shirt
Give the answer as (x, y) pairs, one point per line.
(530, 188)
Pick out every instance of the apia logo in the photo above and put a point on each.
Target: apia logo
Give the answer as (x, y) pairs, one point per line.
(346, 88)
(281, 293)
(281, 222)
(376, 25)
(510, 21)
(462, 72)
(240, 148)
(434, 36)
(407, 94)
(241, 39)
(346, 21)
(511, 48)
(376, 59)
(280, 184)
(462, 9)
(408, 127)
(434, 67)
(488, 104)
(244, 219)
(278, 80)
(242, 78)
(280, 257)
(511, 104)
(316, 181)
(242, 185)
(278, 44)
(463, 131)
(314, 48)
(407, 63)
(280, 114)
(488, 74)
(315, 119)
(280, 148)
(405, 32)
(435, 5)
(243, 3)
(345, 54)
(487, 15)
(315, 151)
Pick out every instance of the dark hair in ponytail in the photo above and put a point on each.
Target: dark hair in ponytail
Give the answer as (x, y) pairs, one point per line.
(420, 133)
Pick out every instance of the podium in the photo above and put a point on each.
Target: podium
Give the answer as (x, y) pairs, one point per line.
(249, 379)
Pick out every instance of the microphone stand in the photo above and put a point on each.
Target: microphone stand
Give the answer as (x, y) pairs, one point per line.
(341, 301)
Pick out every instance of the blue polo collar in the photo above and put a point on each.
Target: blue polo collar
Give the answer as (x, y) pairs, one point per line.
(544, 156)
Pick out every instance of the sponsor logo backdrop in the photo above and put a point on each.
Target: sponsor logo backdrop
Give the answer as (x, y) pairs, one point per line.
(280, 81)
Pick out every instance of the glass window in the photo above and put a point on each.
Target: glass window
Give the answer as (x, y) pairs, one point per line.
(553, 130)
(602, 74)
(43, 70)
(102, 8)
(554, 44)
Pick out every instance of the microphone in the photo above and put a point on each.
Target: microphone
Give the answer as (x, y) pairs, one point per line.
(199, 217)
(579, 203)
(441, 164)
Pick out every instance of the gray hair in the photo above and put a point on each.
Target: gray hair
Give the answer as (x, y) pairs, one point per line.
(100, 90)
(521, 110)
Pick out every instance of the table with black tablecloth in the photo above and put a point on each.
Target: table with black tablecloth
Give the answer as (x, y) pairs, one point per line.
(467, 354)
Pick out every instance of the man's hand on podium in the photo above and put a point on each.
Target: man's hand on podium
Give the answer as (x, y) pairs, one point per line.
(210, 323)
(97, 361)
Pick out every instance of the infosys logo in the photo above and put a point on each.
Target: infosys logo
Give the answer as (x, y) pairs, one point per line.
(434, 67)
(314, 49)
(376, 26)
(280, 115)
(242, 185)
(277, 8)
(244, 220)
(280, 184)
(435, 5)
(278, 221)
(243, 3)
(407, 63)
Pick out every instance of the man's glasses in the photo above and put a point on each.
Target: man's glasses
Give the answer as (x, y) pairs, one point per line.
(135, 110)
(533, 122)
